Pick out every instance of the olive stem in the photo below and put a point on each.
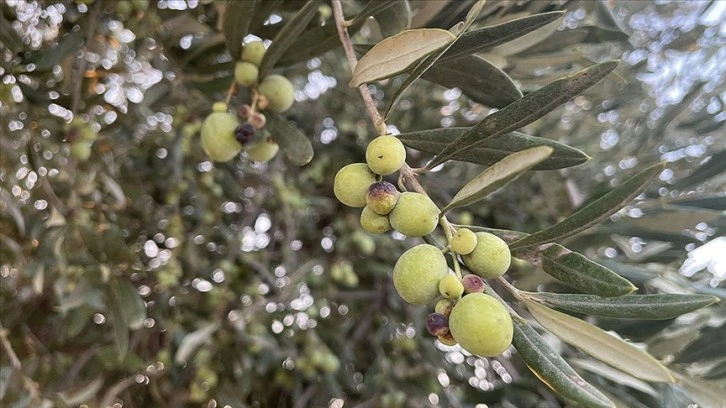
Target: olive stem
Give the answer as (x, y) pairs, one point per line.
(232, 89)
(406, 172)
(340, 23)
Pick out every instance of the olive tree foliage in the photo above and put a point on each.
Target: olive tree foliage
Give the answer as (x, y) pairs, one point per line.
(148, 275)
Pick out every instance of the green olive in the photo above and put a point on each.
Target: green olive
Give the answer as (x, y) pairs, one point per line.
(414, 215)
(490, 258)
(351, 184)
(481, 325)
(417, 273)
(385, 155)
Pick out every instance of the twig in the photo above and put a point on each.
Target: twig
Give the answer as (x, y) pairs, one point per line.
(340, 23)
(14, 360)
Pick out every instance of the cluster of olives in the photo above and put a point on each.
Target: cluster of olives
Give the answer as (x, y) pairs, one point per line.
(463, 314)
(344, 274)
(80, 136)
(225, 134)
(319, 360)
(384, 207)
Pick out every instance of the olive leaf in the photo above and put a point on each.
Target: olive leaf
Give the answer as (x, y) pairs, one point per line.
(547, 365)
(599, 344)
(45, 59)
(596, 211)
(395, 18)
(651, 307)
(236, 23)
(287, 36)
(497, 175)
(292, 141)
(127, 310)
(395, 54)
(426, 63)
(478, 79)
(433, 140)
(485, 38)
(525, 110)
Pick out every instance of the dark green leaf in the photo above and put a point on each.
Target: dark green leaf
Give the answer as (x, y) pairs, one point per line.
(478, 79)
(599, 344)
(46, 59)
(525, 110)
(314, 42)
(11, 39)
(395, 18)
(427, 62)
(652, 307)
(236, 24)
(292, 141)
(498, 175)
(579, 272)
(717, 203)
(371, 8)
(715, 165)
(594, 212)
(434, 140)
(287, 36)
(486, 38)
(119, 318)
(549, 367)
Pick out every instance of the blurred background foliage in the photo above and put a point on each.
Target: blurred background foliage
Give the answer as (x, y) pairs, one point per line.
(148, 276)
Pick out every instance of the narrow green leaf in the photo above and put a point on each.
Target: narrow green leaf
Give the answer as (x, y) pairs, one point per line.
(434, 140)
(525, 110)
(287, 36)
(708, 202)
(651, 307)
(489, 37)
(314, 42)
(596, 211)
(424, 65)
(527, 41)
(372, 8)
(552, 370)
(394, 19)
(497, 175)
(577, 271)
(46, 59)
(395, 54)
(599, 344)
(236, 24)
(132, 305)
(293, 142)
(119, 318)
(715, 165)
(478, 79)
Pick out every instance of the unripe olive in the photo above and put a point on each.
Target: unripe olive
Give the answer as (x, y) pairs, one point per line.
(219, 138)
(437, 324)
(263, 151)
(473, 284)
(219, 107)
(385, 155)
(253, 52)
(481, 325)
(351, 184)
(414, 215)
(417, 273)
(491, 256)
(81, 150)
(463, 241)
(246, 73)
(382, 197)
(374, 223)
(278, 91)
(444, 307)
(450, 287)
